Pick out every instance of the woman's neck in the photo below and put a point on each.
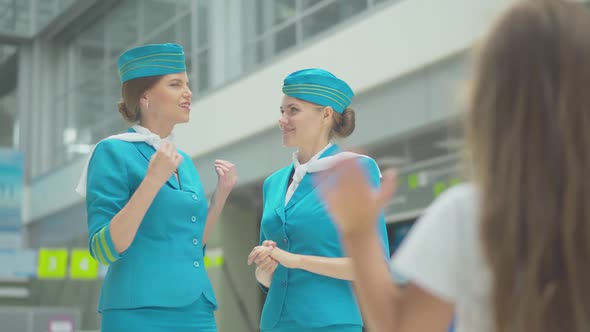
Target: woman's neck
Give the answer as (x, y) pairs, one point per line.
(161, 129)
(305, 153)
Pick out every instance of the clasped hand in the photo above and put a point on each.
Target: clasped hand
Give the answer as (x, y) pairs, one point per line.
(267, 256)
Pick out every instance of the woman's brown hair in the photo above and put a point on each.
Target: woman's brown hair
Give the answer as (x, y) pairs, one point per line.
(529, 138)
(343, 124)
(131, 92)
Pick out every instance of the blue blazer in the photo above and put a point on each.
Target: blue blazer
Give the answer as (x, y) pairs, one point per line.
(305, 227)
(164, 264)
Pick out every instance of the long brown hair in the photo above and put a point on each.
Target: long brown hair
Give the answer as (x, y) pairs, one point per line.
(529, 131)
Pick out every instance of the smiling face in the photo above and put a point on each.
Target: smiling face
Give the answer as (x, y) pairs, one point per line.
(169, 100)
(302, 123)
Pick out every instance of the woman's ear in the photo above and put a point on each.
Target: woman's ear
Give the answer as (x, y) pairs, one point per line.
(144, 102)
(328, 111)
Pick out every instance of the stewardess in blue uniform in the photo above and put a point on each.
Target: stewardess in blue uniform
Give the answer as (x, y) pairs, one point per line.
(300, 261)
(148, 217)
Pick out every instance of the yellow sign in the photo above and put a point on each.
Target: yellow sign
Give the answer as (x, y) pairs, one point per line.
(52, 264)
(82, 265)
(219, 261)
(214, 258)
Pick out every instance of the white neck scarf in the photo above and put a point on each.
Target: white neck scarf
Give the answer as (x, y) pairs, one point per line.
(315, 164)
(141, 134)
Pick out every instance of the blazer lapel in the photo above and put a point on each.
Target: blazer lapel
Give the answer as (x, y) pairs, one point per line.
(148, 151)
(305, 187)
(308, 183)
(281, 192)
(184, 175)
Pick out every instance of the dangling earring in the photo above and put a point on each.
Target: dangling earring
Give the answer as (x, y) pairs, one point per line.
(147, 105)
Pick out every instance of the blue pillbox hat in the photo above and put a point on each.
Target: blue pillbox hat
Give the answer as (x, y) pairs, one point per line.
(151, 60)
(319, 87)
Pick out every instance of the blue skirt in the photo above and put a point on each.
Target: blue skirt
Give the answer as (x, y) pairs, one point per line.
(196, 317)
(288, 324)
(331, 328)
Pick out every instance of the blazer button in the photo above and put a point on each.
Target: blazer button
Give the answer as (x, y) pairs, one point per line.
(195, 242)
(284, 283)
(196, 264)
(285, 240)
(193, 219)
(195, 197)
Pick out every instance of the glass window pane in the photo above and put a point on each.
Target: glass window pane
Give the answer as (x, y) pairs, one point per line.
(284, 10)
(203, 74)
(261, 47)
(311, 3)
(59, 155)
(61, 73)
(183, 33)
(6, 52)
(97, 133)
(122, 27)
(94, 32)
(91, 103)
(114, 124)
(155, 14)
(259, 14)
(46, 10)
(253, 54)
(168, 35)
(265, 48)
(203, 24)
(64, 4)
(182, 5)
(15, 17)
(90, 58)
(285, 38)
(189, 66)
(330, 15)
(7, 23)
(7, 118)
(114, 88)
(90, 50)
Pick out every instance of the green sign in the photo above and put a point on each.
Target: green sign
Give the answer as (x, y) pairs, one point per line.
(413, 181)
(53, 263)
(438, 188)
(82, 265)
(420, 184)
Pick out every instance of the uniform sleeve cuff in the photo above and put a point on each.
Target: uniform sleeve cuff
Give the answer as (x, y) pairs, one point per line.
(262, 288)
(103, 248)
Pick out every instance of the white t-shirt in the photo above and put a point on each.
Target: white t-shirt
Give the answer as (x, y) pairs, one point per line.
(442, 254)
